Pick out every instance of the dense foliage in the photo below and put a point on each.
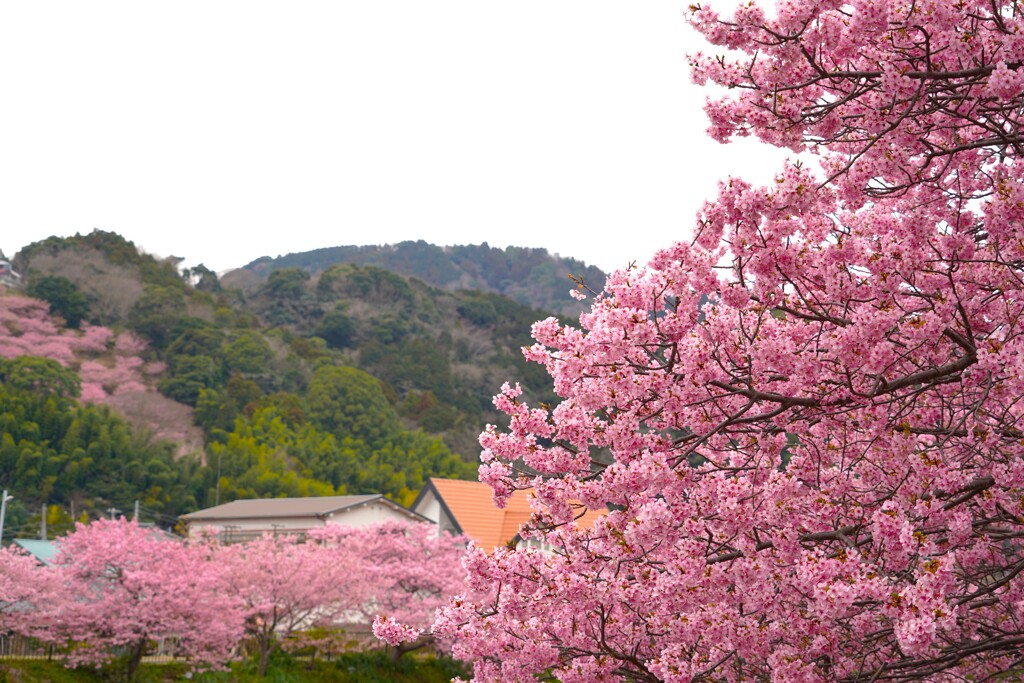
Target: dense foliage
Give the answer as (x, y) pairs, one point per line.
(356, 380)
(813, 409)
(438, 352)
(532, 277)
(82, 456)
(121, 587)
(116, 590)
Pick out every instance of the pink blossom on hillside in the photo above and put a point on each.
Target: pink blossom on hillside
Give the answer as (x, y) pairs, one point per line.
(93, 371)
(94, 339)
(130, 386)
(154, 368)
(26, 329)
(118, 379)
(130, 344)
(22, 307)
(128, 363)
(56, 348)
(10, 348)
(33, 327)
(92, 392)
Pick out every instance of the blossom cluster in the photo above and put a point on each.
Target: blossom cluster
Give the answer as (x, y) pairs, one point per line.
(107, 363)
(116, 587)
(804, 422)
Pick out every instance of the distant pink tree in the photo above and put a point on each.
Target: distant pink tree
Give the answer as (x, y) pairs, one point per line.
(94, 372)
(123, 373)
(120, 377)
(92, 392)
(94, 339)
(106, 368)
(129, 369)
(409, 572)
(26, 330)
(59, 349)
(17, 308)
(154, 368)
(126, 586)
(40, 326)
(129, 343)
(35, 344)
(286, 586)
(26, 586)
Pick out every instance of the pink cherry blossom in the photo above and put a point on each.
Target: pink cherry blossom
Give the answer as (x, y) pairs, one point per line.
(126, 586)
(805, 421)
(285, 586)
(26, 588)
(107, 364)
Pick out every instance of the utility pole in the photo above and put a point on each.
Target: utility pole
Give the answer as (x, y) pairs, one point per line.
(112, 511)
(42, 525)
(135, 516)
(3, 513)
(216, 499)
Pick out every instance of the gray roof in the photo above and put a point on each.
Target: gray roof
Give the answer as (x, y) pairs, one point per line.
(258, 508)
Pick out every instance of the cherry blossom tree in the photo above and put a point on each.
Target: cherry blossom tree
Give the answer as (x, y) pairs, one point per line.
(408, 570)
(26, 587)
(126, 586)
(107, 365)
(804, 422)
(286, 585)
(26, 329)
(94, 339)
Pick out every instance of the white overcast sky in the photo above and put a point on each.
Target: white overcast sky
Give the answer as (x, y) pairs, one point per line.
(225, 131)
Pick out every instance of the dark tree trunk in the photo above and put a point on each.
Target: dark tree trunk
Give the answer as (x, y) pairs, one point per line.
(266, 642)
(134, 659)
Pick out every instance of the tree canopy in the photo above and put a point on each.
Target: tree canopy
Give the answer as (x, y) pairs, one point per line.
(804, 423)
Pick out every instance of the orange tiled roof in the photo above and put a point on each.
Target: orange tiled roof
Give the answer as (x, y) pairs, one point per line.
(471, 504)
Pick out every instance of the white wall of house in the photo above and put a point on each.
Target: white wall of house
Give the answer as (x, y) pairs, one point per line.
(242, 529)
(367, 515)
(429, 507)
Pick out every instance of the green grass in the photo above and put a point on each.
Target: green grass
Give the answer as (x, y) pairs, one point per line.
(366, 667)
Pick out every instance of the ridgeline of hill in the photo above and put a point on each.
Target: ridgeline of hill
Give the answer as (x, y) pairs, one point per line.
(531, 277)
(180, 391)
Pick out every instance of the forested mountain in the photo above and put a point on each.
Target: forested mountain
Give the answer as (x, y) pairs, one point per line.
(532, 277)
(180, 392)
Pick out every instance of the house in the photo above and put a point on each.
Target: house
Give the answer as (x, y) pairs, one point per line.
(242, 520)
(467, 507)
(8, 275)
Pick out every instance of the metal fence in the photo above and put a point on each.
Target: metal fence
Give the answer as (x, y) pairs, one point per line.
(321, 646)
(16, 646)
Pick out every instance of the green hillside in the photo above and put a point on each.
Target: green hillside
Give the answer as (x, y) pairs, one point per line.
(352, 379)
